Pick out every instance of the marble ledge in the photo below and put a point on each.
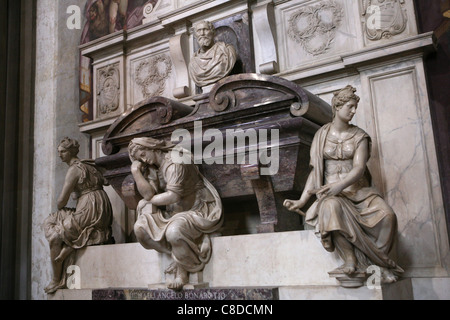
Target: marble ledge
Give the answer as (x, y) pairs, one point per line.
(401, 290)
(190, 10)
(104, 46)
(362, 58)
(407, 45)
(95, 126)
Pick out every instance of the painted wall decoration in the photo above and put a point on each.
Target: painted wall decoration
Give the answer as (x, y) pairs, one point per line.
(102, 18)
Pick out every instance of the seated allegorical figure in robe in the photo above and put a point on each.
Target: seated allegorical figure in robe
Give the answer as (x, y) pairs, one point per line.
(69, 229)
(179, 210)
(349, 213)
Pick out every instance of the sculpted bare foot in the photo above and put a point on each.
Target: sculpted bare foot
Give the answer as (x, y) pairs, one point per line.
(52, 287)
(181, 278)
(348, 267)
(387, 276)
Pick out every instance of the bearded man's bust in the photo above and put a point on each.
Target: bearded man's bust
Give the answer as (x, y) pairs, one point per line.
(214, 60)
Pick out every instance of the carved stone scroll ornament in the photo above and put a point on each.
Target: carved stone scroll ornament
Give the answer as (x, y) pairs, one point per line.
(151, 75)
(108, 89)
(314, 27)
(152, 113)
(264, 19)
(240, 89)
(384, 19)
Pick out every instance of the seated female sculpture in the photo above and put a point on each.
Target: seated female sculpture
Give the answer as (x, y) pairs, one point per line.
(193, 208)
(88, 224)
(349, 212)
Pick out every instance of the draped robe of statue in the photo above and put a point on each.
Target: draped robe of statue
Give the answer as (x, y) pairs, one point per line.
(365, 215)
(213, 65)
(90, 222)
(191, 220)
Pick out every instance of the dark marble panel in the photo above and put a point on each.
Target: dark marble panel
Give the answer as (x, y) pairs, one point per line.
(191, 294)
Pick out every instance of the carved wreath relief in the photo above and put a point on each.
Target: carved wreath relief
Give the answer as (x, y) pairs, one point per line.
(151, 75)
(314, 27)
(108, 89)
(384, 18)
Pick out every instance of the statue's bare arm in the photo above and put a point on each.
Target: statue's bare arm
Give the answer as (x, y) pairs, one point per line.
(72, 177)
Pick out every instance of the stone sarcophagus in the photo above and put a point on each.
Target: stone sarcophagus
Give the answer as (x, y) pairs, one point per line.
(250, 136)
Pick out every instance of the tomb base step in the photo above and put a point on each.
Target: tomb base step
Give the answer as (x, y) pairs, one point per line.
(401, 290)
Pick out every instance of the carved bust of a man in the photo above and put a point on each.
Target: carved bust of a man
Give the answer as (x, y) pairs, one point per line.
(214, 60)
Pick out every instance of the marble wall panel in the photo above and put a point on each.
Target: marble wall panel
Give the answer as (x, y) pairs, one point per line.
(109, 89)
(308, 31)
(384, 21)
(150, 73)
(405, 169)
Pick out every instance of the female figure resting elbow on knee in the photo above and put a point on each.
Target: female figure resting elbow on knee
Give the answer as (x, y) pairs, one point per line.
(349, 212)
(179, 209)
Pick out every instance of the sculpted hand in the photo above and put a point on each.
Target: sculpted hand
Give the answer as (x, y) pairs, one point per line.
(142, 204)
(331, 189)
(136, 166)
(294, 206)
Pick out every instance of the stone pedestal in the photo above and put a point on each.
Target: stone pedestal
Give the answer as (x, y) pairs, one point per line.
(270, 266)
(401, 290)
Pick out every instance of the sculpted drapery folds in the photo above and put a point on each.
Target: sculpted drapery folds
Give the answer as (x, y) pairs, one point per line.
(349, 214)
(193, 209)
(69, 229)
(214, 60)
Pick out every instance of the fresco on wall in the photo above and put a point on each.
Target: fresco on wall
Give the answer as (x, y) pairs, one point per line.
(104, 17)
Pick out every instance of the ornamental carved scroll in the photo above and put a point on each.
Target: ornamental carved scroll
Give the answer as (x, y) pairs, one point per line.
(384, 19)
(108, 89)
(314, 27)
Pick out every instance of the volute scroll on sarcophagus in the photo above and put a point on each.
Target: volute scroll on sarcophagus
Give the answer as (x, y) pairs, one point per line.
(150, 114)
(243, 90)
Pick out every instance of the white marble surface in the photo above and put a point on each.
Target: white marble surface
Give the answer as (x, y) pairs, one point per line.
(401, 290)
(431, 288)
(119, 266)
(274, 259)
(56, 113)
(43, 162)
(344, 31)
(71, 294)
(397, 116)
